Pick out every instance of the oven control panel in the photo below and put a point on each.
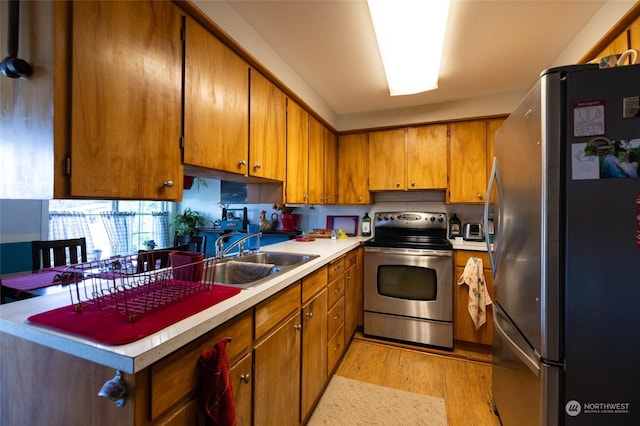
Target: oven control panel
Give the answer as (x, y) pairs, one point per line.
(410, 220)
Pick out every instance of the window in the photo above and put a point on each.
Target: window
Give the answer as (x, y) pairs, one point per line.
(110, 227)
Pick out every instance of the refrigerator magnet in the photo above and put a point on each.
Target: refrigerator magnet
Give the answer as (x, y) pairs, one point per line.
(588, 118)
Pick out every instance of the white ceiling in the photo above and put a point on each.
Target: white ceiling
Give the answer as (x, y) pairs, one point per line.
(491, 47)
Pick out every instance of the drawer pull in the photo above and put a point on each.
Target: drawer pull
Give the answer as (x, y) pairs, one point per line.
(337, 290)
(245, 378)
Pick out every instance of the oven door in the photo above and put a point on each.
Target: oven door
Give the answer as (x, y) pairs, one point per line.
(409, 282)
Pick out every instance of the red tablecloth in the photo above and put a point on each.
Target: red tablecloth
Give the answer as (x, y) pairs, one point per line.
(112, 328)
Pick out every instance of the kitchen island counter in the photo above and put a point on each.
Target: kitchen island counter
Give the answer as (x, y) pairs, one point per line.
(134, 357)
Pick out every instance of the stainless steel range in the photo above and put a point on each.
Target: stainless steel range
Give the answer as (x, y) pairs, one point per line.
(408, 279)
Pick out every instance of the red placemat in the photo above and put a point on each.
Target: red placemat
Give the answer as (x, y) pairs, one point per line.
(112, 328)
(40, 279)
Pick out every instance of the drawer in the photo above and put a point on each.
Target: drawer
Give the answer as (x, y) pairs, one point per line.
(175, 376)
(276, 309)
(313, 283)
(350, 259)
(336, 290)
(335, 348)
(336, 268)
(336, 317)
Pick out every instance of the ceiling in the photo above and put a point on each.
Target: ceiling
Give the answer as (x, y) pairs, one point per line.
(491, 47)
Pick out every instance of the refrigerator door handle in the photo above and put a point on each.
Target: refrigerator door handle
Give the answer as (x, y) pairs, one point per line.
(493, 254)
(530, 360)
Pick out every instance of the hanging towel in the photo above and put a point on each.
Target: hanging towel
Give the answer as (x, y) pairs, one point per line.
(216, 394)
(478, 294)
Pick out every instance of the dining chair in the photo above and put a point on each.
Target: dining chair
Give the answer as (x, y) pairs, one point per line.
(150, 260)
(194, 242)
(61, 252)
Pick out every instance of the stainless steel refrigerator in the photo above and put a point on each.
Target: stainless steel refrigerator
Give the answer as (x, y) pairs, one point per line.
(566, 256)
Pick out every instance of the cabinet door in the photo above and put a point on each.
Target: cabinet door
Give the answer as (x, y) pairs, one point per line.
(463, 327)
(316, 161)
(386, 160)
(492, 127)
(634, 29)
(467, 162)
(277, 375)
(241, 382)
(330, 168)
(427, 157)
(353, 299)
(353, 151)
(125, 103)
(314, 353)
(267, 131)
(216, 103)
(297, 153)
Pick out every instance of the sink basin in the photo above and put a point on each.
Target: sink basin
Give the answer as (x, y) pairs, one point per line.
(277, 258)
(244, 272)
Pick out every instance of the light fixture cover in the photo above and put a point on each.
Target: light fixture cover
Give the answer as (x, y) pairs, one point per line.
(410, 36)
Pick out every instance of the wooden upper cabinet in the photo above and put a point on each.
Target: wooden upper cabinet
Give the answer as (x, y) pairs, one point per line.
(297, 153)
(387, 160)
(268, 129)
(216, 103)
(316, 162)
(617, 46)
(353, 186)
(467, 162)
(126, 79)
(426, 153)
(634, 30)
(330, 190)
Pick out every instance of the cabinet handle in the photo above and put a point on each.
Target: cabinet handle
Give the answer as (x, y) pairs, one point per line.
(337, 290)
(309, 315)
(245, 378)
(337, 317)
(168, 184)
(413, 183)
(298, 326)
(348, 277)
(337, 347)
(359, 198)
(397, 184)
(242, 163)
(480, 196)
(257, 166)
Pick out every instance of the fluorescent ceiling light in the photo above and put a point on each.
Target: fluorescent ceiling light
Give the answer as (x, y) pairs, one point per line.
(410, 37)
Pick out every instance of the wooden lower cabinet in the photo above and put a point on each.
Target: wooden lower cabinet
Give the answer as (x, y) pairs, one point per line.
(354, 292)
(336, 332)
(463, 327)
(277, 375)
(314, 354)
(174, 380)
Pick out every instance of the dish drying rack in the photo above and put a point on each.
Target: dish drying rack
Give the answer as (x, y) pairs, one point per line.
(132, 285)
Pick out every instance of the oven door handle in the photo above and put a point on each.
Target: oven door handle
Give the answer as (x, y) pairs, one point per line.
(405, 251)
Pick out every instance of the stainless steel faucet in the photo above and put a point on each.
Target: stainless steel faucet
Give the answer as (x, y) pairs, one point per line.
(220, 252)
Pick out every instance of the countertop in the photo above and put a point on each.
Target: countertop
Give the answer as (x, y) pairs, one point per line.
(134, 357)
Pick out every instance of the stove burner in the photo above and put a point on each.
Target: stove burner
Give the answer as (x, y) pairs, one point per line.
(416, 230)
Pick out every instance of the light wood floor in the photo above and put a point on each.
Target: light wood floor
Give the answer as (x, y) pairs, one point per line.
(465, 384)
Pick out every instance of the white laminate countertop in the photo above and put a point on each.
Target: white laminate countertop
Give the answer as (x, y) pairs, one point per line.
(134, 357)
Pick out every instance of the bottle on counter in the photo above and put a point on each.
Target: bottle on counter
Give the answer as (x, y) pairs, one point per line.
(455, 227)
(366, 226)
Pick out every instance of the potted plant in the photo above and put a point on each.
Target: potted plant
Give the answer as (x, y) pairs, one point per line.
(185, 223)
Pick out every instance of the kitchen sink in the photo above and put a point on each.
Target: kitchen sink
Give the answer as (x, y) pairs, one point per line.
(257, 268)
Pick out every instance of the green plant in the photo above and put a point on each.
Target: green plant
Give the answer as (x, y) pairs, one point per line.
(185, 223)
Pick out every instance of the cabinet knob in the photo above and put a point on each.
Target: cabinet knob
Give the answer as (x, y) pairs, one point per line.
(359, 198)
(246, 378)
(398, 184)
(168, 184)
(257, 166)
(413, 183)
(298, 326)
(309, 315)
(242, 163)
(480, 196)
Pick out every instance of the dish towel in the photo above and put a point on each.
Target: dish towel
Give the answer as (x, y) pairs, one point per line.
(248, 271)
(216, 406)
(478, 294)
